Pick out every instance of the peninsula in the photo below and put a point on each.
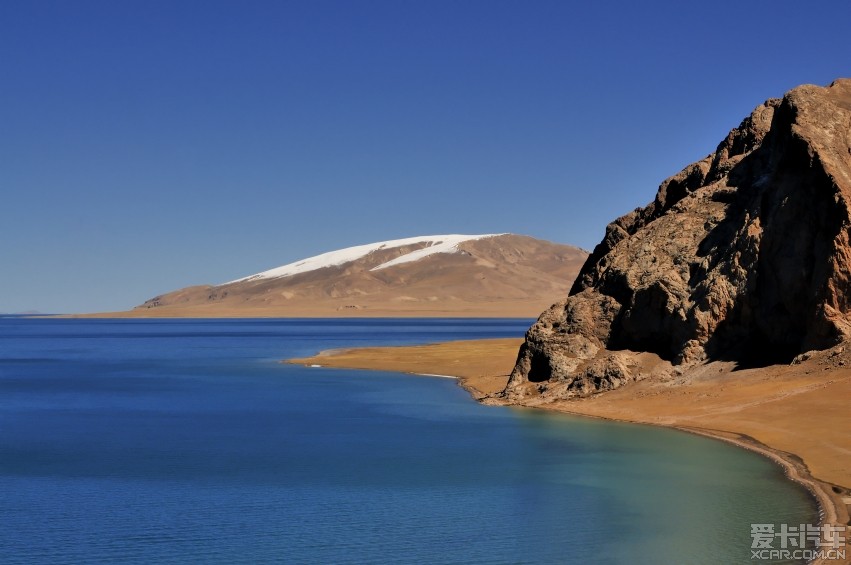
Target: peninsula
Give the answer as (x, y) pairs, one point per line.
(722, 308)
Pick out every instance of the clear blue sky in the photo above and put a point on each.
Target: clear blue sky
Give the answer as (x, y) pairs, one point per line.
(147, 146)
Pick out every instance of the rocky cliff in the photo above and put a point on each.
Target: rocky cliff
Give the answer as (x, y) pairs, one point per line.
(743, 256)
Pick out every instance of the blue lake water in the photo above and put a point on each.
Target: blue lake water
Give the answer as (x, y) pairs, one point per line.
(182, 441)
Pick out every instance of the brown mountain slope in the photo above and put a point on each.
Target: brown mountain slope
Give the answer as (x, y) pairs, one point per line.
(500, 275)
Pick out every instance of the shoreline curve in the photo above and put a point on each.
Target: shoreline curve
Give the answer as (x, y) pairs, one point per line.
(481, 367)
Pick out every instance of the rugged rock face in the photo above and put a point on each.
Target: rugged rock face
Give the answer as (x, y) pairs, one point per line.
(742, 256)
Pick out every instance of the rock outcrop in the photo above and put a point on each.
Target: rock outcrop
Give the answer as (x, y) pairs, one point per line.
(742, 256)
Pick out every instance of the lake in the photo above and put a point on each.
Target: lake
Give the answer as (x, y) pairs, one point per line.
(177, 441)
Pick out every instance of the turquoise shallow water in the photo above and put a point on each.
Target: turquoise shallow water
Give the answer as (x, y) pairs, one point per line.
(186, 441)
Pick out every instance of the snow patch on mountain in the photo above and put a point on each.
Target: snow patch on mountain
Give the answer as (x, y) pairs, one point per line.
(434, 244)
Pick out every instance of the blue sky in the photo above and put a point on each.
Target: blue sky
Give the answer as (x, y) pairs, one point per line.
(147, 146)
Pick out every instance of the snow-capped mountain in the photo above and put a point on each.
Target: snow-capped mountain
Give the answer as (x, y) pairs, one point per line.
(437, 275)
(432, 244)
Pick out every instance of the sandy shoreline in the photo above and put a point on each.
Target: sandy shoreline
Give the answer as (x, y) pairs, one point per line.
(782, 413)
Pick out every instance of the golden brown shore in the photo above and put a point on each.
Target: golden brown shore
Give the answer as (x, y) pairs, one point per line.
(482, 365)
(795, 414)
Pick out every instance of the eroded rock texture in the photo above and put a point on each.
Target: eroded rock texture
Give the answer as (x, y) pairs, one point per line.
(743, 255)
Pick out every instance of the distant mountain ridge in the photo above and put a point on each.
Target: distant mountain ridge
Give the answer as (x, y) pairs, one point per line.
(432, 244)
(487, 275)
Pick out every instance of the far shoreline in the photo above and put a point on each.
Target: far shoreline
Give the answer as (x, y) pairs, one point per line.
(466, 310)
(481, 365)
